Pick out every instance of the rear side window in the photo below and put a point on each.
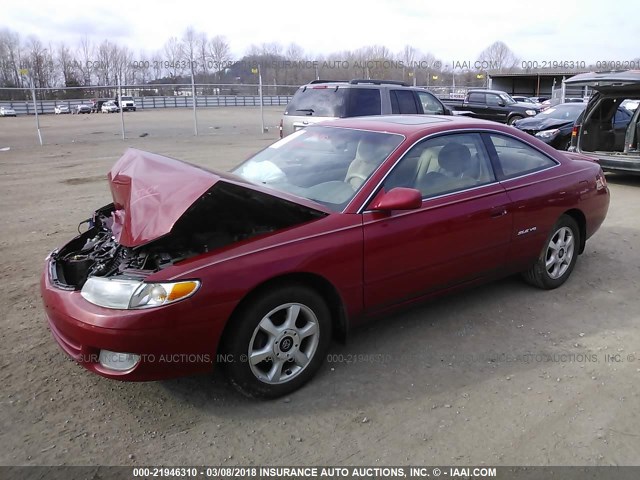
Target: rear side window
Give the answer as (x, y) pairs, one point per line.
(403, 101)
(319, 101)
(364, 101)
(476, 98)
(516, 158)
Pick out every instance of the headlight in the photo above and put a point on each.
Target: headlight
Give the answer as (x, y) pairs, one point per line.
(531, 113)
(156, 294)
(547, 133)
(130, 294)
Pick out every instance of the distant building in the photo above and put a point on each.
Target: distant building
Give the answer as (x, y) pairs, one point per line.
(534, 84)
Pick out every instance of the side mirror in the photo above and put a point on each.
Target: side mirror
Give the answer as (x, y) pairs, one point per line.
(399, 198)
(501, 104)
(447, 111)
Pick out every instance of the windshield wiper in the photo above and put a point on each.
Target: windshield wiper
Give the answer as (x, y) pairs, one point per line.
(309, 110)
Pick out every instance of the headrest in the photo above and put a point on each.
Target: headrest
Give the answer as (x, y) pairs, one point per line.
(370, 151)
(454, 158)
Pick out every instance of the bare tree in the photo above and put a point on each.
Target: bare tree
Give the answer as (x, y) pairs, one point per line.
(11, 52)
(142, 69)
(66, 66)
(190, 49)
(172, 56)
(84, 53)
(156, 66)
(122, 61)
(203, 54)
(219, 53)
(39, 62)
(408, 58)
(104, 63)
(294, 74)
(499, 57)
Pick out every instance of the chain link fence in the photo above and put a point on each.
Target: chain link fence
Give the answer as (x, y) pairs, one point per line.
(160, 109)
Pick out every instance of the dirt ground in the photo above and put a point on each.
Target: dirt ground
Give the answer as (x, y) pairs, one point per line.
(502, 375)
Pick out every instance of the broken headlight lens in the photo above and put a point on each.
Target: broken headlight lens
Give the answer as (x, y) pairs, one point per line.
(131, 294)
(548, 133)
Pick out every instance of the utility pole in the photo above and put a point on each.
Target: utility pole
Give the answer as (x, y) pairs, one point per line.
(24, 72)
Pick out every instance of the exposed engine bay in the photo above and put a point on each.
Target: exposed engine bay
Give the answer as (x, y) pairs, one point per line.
(224, 215)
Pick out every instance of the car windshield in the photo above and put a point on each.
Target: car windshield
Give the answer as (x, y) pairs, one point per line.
(325, 164)
(506, 98)
(563, 112)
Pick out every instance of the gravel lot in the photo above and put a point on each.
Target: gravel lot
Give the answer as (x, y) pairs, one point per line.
(504, 374)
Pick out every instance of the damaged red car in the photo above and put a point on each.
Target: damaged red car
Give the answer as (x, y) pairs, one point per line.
(257, 270)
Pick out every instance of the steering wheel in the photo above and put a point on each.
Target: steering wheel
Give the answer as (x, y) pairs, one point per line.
(355, 176)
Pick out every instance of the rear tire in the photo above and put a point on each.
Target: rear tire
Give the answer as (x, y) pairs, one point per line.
(558, 256)
(277, 341)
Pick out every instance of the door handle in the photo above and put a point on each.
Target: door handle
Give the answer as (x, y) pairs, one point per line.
(498, 211)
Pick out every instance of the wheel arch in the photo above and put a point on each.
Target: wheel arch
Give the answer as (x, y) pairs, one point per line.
(514, 115)
(333, 300)
(581, 220)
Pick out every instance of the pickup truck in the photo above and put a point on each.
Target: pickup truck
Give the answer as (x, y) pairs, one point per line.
(128, 103)
(492, 105)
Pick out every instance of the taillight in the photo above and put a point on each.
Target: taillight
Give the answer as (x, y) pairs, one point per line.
(574, 131)
(601, 181)
(280, 128)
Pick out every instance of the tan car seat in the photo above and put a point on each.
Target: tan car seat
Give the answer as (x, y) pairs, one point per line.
(368, 158)
(454, 164)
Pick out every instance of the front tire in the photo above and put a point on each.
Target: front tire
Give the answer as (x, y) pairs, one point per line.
(277, 342)
(514, 119)
(558, 256)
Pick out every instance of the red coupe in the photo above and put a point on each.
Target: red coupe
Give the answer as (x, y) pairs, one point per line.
(259, 268)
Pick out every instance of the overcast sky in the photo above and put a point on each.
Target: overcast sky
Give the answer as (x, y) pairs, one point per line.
(452, 30)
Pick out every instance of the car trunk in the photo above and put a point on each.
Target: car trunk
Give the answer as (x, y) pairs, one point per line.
(605, 131)
(166, 211)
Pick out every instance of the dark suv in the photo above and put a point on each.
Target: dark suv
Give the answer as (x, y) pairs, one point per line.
(327, 99)
(609, 128)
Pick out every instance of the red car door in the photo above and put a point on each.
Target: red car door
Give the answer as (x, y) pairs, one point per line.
(538, 191)
(461, 232)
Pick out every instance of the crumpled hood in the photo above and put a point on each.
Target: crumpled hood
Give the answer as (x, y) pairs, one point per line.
(538, 123)
(150, 193)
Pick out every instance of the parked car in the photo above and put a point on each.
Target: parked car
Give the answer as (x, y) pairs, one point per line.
(323, 100)
(554, 125)
(7, 112)
(605, 130)
(259, 268)
(630, 105)
(528, 101)
(83, 108)
(548, 104)
(493, 105)
(61, 109)
(538, 99)
(521, 99)
(109, 107)
(96, 105)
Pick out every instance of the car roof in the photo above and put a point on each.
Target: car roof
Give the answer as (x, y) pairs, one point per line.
(484, 90)
(358, 83)
(410, 124)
